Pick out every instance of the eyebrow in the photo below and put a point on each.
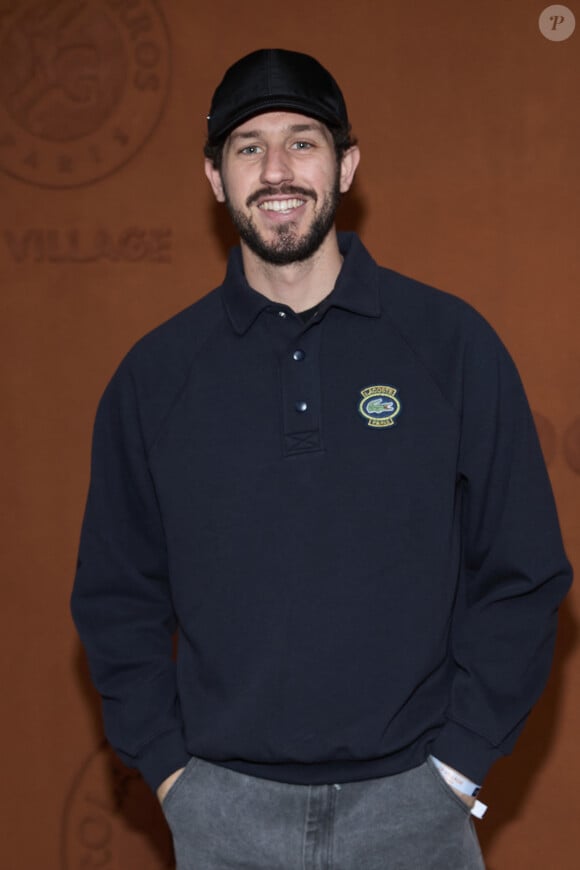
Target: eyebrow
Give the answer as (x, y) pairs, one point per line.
(293, 128)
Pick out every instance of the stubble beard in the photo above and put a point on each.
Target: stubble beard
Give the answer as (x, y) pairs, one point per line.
(287, 247)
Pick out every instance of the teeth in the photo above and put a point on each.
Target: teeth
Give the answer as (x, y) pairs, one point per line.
(283, 205)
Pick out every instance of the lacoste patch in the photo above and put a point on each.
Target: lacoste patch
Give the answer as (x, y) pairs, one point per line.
(379, 406)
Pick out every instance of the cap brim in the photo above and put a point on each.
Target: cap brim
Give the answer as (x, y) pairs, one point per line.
(291, 104)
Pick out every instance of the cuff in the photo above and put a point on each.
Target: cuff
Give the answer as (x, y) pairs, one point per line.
(161, 758)
(467, 752)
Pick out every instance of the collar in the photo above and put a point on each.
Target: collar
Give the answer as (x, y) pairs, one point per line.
(356, 288)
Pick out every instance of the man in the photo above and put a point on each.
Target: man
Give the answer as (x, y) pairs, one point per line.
(326, 478)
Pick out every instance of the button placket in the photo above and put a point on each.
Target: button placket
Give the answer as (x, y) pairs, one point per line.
(300, 382)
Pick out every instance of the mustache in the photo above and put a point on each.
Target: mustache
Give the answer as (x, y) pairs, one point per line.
(284, 189)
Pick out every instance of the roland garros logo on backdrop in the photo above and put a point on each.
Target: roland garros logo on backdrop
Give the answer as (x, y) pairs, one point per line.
(112, 820)
(83, 84)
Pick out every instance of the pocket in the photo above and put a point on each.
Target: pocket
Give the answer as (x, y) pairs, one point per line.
(179, 783)
(444, 787)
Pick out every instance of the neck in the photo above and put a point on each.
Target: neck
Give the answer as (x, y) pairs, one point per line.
(300, 286)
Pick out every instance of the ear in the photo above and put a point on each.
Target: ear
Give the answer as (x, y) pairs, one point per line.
(348, 165)
(215, 179)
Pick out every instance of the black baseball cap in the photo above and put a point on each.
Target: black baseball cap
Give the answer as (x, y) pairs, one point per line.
(274, 78)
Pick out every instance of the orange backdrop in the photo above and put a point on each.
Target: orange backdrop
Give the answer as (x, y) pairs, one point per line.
(468, 121)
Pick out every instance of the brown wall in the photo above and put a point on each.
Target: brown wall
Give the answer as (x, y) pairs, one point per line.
(468, 122)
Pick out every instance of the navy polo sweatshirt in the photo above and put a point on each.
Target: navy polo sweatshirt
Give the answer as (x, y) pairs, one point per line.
(347, 521)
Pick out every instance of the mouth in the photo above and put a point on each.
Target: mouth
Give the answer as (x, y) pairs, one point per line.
(281, 206)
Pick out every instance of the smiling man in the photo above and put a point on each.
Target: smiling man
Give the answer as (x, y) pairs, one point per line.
(281, 221)
(325, 477)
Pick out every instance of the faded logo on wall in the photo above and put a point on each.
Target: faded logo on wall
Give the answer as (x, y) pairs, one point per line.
(548, 436)
(83, 85)
(112, 820)
(100, 245)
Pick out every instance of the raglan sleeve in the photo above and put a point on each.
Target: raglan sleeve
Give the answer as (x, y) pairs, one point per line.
(121, 601)
(514, 570)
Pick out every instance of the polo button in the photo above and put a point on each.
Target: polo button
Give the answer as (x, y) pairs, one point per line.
(281, 314)
(298, 355)
(301, 406)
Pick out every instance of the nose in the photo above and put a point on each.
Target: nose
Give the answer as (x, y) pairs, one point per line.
(276, 167)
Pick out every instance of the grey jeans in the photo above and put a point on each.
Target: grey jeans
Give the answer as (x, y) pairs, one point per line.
(222, 820)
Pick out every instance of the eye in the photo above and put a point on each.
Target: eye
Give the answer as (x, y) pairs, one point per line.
(302, 146)
(250, 149)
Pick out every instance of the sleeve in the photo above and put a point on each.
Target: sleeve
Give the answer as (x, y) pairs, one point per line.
(514, 570)
(121, 600)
